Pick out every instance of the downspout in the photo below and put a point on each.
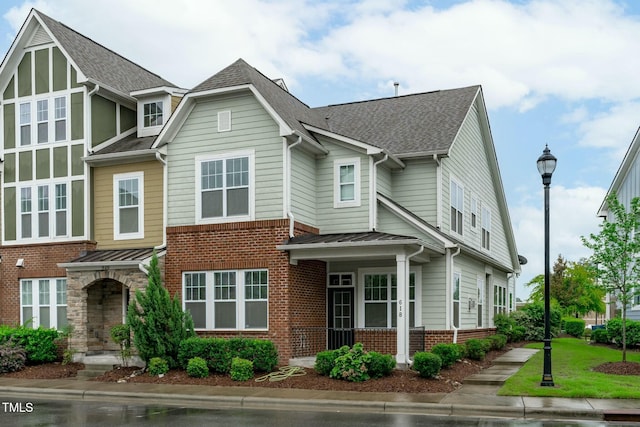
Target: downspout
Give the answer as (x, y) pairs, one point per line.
(449, 282)
(288, 183)
(438, 191)
(373, 211)
(165, 200)
(88, 215)
(407, 275)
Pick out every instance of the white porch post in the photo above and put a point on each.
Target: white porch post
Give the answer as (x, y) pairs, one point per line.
(402, 320)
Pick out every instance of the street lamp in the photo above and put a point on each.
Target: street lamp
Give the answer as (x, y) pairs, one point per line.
(546, 166)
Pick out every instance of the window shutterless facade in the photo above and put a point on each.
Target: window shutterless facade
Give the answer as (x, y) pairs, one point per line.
(40, 216)
(225, 187)
(380, 299)
(48, 116)
(152, 114)
(457, 207)
(346, 179)
(457, 277)
(43, 302)
(227, 300)
(128, 210)
(486, 228)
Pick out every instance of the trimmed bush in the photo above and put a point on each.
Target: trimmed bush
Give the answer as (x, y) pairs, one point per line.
(498, 341)
(504, 325)
(219, 352)
(12, 357)
(476, 349)
(39, 344)
(380, 365)
(352, 365)
(449, 353)
(518, 333)
(614, 329)
(600, 336)
(158, 366)
(427, 364)
(241, 369)
(325, 361)
(574, 327)
(197, 368)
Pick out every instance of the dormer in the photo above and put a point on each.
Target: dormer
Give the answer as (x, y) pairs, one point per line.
(155, 106)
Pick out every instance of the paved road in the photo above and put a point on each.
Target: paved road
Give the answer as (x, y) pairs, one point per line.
(17, 412)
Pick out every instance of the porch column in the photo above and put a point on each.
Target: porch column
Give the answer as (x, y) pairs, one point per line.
(402, 320)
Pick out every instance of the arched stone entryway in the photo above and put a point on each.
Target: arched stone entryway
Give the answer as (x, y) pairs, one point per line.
(96, 301)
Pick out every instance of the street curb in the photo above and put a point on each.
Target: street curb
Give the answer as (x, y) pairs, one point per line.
(252, 402)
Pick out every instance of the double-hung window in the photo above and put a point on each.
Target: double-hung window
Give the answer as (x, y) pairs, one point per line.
(474, 212)
(25, 123)
(42, 115)
(43, 302)
(381, 300)
(457, 207)
(480, 304)
(43, 211)
(457, 277)
(50, 122)
(61, 209)
(486, 228)
(225, 187)
(230, 300)
(128, 196)
(25, 213)
(346, 178)
(60, 127)
(499, 299)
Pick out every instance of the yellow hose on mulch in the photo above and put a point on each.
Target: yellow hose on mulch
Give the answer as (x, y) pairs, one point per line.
(283, 373)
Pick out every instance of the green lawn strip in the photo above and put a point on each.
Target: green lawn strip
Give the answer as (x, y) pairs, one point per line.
(572, 361)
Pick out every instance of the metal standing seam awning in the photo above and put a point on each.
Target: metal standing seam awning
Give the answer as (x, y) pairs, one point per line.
(112, 258)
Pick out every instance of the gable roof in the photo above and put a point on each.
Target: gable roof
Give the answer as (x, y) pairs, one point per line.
(94, 62)
(420, 124)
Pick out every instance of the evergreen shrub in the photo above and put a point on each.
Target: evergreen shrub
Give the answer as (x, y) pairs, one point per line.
(427, 364)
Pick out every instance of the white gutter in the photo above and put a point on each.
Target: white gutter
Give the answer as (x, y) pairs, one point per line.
(165, 200)
(288, 183)
(88, 118)
(438, 192)
(373, 185)
(88, 220)
(449, 282)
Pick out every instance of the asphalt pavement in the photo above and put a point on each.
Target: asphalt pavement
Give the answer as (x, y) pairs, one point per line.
(477, 397)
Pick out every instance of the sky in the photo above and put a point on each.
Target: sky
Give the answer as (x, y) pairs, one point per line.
(562, 73)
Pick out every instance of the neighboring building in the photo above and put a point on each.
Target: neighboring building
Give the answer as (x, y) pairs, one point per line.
(319, 227)
(381, 221)
(81, 189)
(626, 185)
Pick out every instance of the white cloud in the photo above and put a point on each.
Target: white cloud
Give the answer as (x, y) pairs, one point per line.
(613, 128)
(572, 214)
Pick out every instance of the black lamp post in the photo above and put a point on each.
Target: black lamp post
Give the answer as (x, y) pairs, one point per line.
(546, 166)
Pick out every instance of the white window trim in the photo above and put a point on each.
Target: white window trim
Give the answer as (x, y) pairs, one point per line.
(337, 203)
(32, 101)
(35, 301)
(474, 211)
(116, 206)
(166, 107)
(481, 302)
(34, 212)
(224, 121)
(461, 208)
(486, 216)
(457, 273)
(359, 303)
(252, 187)
(240, 299)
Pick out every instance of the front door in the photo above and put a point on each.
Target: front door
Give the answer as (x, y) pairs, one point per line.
(340, 318)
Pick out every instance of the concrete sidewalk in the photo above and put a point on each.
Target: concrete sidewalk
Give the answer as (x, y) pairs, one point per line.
(477, 397)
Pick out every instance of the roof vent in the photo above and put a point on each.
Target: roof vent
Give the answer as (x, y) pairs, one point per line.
(396, 85)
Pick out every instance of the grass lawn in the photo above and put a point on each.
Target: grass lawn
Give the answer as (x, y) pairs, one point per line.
(572, 361)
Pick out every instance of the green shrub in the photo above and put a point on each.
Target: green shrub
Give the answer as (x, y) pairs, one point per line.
(518, 333)
(449, 353)
(498, 341)
(158, 366)
(462, 350)
(427, 364)
(241, 369)
(574, 327)
(614, 329)
(219, 355)
(219, 352)
(531, 317)
(352, 365)
(12, 357)
(265, 355)
(197, 368)
(504, 325)
(600, 336)
(325, 361)
(39, 344)
(121, 335)
(380, 365)
(476, 349)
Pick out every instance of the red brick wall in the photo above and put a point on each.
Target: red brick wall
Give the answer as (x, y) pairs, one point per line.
(39, 261)
(432, 338)
(297, 293)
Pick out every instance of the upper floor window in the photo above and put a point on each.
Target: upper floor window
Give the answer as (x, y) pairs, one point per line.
(152, 114)
(346, 182)
(486, 228)
(50, 126)
(457, 207)
(224, 121)
(474, 212)
(128, 206)
(39, 224)
(225, 187)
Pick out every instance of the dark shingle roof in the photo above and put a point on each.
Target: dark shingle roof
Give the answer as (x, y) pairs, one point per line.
(129, 143)
(364, 237)
(101, 64)
(419, 123)
(425, 122)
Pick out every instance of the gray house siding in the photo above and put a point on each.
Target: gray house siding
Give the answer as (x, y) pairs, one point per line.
(414, 187)
(252, 129)
(303, 187)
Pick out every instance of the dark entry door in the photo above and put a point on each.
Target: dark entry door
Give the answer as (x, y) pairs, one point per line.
(340, 318)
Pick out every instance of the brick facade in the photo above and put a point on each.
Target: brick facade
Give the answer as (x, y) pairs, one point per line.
(297, 293)
(40, 261)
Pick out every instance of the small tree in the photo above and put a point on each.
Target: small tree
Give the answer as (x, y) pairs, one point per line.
(158, 322)
(615, 249)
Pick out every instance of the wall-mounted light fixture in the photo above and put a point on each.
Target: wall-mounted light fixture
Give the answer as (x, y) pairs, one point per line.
(20, 263)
